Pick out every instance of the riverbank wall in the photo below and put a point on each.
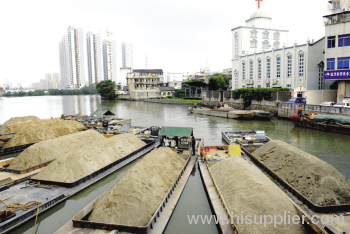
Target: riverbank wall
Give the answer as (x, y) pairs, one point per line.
(164, 101)
(213, 99)
(285, 110)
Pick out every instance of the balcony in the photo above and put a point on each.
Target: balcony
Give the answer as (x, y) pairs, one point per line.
(339, 18)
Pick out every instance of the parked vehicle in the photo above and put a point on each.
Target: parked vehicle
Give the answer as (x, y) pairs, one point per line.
(342, 104)
(298, 100)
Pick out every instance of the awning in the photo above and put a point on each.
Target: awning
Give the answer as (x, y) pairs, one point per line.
(103, 112)
(176, 131)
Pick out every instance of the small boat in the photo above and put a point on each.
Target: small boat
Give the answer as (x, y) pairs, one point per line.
(263, 115)
(249, 139)
(238, 114)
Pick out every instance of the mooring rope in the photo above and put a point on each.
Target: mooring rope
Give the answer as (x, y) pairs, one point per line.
(19, 206)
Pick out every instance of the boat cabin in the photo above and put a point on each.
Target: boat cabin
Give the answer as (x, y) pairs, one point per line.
(183, 135)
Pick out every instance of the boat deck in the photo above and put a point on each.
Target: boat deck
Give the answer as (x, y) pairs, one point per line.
(50, 197)
(219, 210)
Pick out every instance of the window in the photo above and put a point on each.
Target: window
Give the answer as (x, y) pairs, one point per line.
(289, 85)
(343, 63)
(343, 40)
(236, 45)
(253, 43)
(259, 68)
(278, 66)
(251, 69)
(320, 75)
(331, 64)
(236, 79)
(265, 35)
(276, 44)
(253, 34)
(301, 64)
(268, 67)
(336, 5)
(276, 36)
(289, 65)
(243, 70)
(265, 45)
(331, 42)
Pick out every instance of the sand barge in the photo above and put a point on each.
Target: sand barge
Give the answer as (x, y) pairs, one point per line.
(246, 189)
(315, 179)
(15, 120)
(48, 150)
(136, 196)
(84, 161)
(41, 130)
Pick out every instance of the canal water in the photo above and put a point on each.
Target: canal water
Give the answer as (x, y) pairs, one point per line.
(331, 147)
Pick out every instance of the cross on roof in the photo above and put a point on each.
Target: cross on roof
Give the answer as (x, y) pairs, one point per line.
(259, 3)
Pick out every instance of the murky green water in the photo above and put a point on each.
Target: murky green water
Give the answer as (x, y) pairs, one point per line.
(331, 147)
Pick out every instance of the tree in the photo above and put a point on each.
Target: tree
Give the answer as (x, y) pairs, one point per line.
(218, 82)
(106, 89)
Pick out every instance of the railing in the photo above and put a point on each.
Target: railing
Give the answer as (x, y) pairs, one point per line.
(337, 19)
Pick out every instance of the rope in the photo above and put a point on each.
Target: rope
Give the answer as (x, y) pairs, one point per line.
(37, 184)
(19, 206)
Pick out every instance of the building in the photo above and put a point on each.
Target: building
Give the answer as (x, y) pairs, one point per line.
(109, 60)
(172, 76)
(167, 91)
(122, 76)
(127, 55)
(295, 67)
(144, 79)
(337, 47)
(175, 84)
(57, 79)
(94, 57)
(72, 58)
(258, 35)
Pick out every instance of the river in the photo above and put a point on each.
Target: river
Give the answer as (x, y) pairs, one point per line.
(330, 147)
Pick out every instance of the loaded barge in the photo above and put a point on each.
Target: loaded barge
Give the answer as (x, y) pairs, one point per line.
(304, 206)
(48, 195)
(160, 219)
(230, 113)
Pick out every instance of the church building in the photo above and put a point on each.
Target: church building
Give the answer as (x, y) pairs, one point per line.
(261, 57)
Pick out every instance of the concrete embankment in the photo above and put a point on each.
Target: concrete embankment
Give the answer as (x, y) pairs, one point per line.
(165, 101)
(246, 191)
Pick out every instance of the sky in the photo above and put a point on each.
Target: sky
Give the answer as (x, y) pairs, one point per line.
(179, 36)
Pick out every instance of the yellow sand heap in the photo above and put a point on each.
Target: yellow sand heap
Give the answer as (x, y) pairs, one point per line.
(84, 161)
(41, 130)
(16, 123)
(136, 196)
(51, 149)
(317, 180)
(248, 192)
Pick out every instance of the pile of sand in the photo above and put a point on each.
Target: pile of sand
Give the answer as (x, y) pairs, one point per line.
(136, 196)
(51, 149)
(41, 130)
(84, 161)
(320, 182)
(246, 189)
(16, 123)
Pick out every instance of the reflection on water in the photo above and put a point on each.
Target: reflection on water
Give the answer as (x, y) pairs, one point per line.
(331, 147)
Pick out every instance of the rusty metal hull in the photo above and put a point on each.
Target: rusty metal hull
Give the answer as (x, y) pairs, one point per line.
(322, 126)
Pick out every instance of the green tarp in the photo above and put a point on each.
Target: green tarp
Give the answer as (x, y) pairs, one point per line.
(339, 119)
(176, 131)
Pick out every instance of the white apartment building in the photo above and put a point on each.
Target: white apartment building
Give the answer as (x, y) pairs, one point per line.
(127, 56)
(337, 48)
(109, 60)
(57, 79)
(72, 58)
(94, 57)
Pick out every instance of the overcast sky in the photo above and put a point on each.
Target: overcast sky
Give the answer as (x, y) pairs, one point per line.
(177, 36)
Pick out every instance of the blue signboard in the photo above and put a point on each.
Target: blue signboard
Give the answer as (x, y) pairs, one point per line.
(337, 75)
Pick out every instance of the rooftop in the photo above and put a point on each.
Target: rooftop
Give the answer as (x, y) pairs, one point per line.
(148, 70)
